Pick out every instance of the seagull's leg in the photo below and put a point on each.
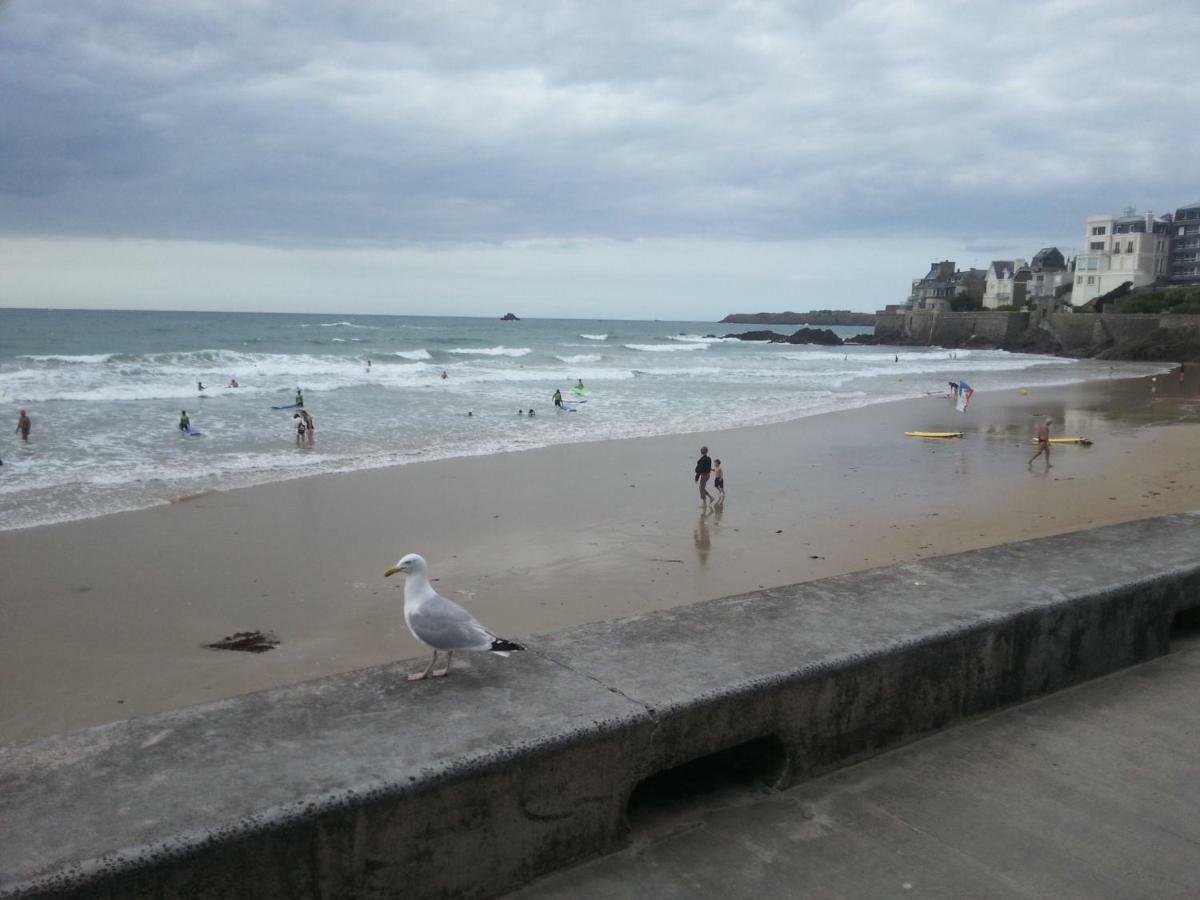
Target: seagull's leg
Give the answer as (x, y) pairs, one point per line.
(428, 669)
(445, 671)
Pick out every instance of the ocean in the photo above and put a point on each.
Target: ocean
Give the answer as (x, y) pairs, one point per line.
(105, 390)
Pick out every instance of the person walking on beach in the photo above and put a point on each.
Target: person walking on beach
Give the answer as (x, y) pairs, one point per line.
(719, 480)
(1043, 443)
(703, 470)
(185, 424)
(23, 425)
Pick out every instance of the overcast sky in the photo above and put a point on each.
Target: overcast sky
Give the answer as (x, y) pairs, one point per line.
(667, 159)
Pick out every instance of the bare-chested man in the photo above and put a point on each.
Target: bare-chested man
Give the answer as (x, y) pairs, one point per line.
(1043, 443)
(23, 425)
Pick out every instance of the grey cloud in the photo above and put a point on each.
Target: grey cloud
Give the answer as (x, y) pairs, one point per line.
(375, 123)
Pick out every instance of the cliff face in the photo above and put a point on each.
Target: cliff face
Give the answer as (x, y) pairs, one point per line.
(816, 317)
(1154, 338)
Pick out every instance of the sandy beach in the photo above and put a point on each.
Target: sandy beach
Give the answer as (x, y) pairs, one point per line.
(109, 618)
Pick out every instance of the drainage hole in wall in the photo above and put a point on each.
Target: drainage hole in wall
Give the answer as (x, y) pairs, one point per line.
(1185, 629)
(726, 777)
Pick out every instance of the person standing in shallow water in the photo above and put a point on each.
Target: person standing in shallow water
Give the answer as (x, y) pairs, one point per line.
(703, 471)
(23, 425)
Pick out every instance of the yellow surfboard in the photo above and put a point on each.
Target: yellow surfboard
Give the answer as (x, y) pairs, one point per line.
(1082, 441)
(934, 434)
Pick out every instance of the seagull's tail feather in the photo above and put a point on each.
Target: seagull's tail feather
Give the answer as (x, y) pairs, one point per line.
(501, 647)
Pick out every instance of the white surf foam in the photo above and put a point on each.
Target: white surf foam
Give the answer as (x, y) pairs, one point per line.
(491, 351)
(665, 348)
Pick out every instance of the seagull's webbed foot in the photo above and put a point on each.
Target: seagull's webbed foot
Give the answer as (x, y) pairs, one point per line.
(421, 676)
(446, 671)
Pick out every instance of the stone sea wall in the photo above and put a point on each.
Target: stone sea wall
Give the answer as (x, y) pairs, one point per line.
(1165, 337)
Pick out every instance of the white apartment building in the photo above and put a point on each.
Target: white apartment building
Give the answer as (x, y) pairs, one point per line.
(1132, 247)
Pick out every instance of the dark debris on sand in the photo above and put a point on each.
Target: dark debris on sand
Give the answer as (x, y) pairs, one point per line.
(247, 641)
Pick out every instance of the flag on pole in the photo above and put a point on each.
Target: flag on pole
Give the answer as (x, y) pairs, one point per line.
(965, 392)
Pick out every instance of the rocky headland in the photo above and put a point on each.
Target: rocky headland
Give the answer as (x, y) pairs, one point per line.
(815, 317)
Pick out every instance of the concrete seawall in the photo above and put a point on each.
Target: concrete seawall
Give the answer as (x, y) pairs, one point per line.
(366, 786)
(1075, 334)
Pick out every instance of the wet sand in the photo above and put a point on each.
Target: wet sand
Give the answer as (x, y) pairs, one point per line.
(109, 618)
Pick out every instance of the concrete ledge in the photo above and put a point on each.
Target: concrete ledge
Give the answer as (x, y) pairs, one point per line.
(366, 786)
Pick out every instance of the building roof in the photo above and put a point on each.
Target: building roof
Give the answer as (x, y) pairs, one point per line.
(999, 265)
(1195, 205)
(1046, 253)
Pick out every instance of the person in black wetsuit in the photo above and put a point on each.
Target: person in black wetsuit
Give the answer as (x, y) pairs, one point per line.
(558, 398)
(703, 470)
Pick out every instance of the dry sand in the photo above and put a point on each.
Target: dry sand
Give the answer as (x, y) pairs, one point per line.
(108, 618)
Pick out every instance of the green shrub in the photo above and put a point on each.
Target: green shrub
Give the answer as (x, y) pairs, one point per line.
(1182, 301)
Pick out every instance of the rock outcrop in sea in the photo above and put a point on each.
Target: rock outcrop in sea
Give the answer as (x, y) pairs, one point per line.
(802, 336)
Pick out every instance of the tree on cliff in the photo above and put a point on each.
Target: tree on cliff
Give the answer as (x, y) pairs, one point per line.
(963, 303)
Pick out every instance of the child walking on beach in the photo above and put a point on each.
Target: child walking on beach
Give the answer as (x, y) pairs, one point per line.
(719, 480)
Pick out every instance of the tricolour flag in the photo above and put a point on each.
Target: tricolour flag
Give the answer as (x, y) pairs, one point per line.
(965, 392)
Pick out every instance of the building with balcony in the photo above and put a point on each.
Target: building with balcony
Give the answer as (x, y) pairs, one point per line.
(1185, 246)
(1050, 275)
(1133, 247)
(1000, 281)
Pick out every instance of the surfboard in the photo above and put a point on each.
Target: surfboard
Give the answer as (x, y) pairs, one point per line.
(289, 406)
(1081, 441)
(575, 401)
(194, 433)
(934, 434)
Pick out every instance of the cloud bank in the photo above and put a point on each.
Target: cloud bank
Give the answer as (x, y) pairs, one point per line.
(321, 126)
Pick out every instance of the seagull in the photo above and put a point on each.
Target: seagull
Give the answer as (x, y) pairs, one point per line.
(439, 623)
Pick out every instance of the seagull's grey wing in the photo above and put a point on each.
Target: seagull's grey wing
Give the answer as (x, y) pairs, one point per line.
(444, 625)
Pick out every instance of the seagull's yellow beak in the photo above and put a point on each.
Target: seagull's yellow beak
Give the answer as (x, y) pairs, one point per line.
(392, 571)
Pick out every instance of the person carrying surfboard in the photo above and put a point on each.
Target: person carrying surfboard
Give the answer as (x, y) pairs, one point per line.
(1043, 443)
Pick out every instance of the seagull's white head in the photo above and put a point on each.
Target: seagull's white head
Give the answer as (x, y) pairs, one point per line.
(412, 564)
